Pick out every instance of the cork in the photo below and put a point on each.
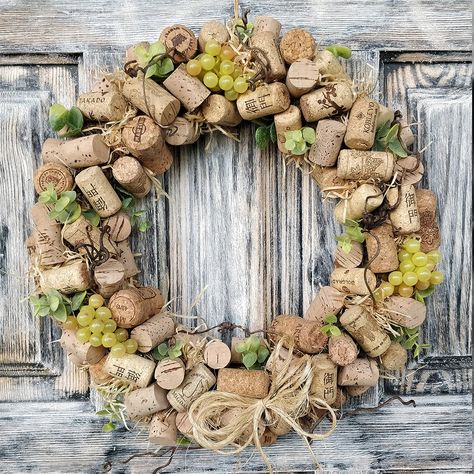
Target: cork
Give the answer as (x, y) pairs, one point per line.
(217, 354)
(97, 373)
(129, 173)
(385, 115)
(329, 136)
(276, 361)
(357, 391)
(330, 66)
(130, 54)
(125, 255)
(104, 84)
(326, 177)
(182, 132)
(236, 357)
(77, 153)
(220, 111)
(407, 312)
(408, 170)
(362, 372)
(109, 277)
(307, 335)
(361, 165)
(267, 24)
(243, 382)
(361, 127)
(405, 218)
(405, 135)
(184, 425)
(429, 229)
(145, 401)
(131, 368)
(102, 106)
(134, 306)
(387, 257)
(302, 77)
(297, 44)
(162, 107)
(353, 259)
(120, 226)
(80, 353)
(351, 280)
(49, 245)
(269, 52)
(342, 349)
(169, 373)
(181, 41)
(68, 279)
(341, 399)
(197, 381)
(324, 383)
(189, 90)
(98, 191)
(333, 99)
(327, 301)
(365, 199)
(55, 174)
(214, 30)
(362, 326)
(286, 121)
(279, 426)
(395, 357)
(163, 429)
(156, 330)
(231, 415)
(145, 141)
(267, 99)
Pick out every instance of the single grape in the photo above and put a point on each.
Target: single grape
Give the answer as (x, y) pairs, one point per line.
(237, 72)
(410, 278)
(395, 278)
(95, 340)
(231, 95)
(103, 313)
(210, 79)
(423, 274)
(117, 350)
(227, 52)
(240, 84)
(131, 346)
(378, 294)
(436, 278)
(430, 266)
(405, 290)
(96, 326)
(109, 339)
(122, 334)
(406, 266)
(420, 259)
(226, 83)
(227, 67)
(110, 326)
(71, 323)
(387, 289)
(216, 68)
(434, 256)
(96, 301)
(193, 67)
(87, 309)
(84, 319)
(412, 245)
(212, 47)
(422, 285)
(83, 334)
(404, 255)
(207, 62)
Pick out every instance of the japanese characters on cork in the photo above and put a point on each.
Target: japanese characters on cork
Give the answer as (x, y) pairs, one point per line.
(429, 229)
(152, 332)
(243, 382)
(131, 368)
(352, 280)
(54, 174)
(267, 99)
(102, 106)
(360, 134)
(405, 218)
(324, 384)
(286, 121)
(129, 173)
(329, 136)
(382, 250)
(145, 401)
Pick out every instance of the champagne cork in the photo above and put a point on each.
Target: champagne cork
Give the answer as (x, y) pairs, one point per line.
(162, 107)
(97, 373)
(362, 372)
(395, 357)
(407, 312)
(184, 425)
(330, 66)
(53, 173)
(307, 335)
(276, 362)
(236, 357)
(156, 330)
(329, 136)
(212, 30)
(269, 52)
(408, 171)
(333, 99)
(357, 391)
(102, 106)
(303, 76)
(98, 191)
(429, 229)
(120, 226)
(146, 142)
(134, 306)
(324, 384)
(231, 415)
(80, 353)
(353, 259)
(181, 41)
(405, 218)
(170, 373)
(77, 153)
(182, 132)
(131, 368)
(359, 165)
(351, 280)
(125, 255)
(326, 177)
(48, 240)
(220, 111)
(145, 401)
(342, 349)
(327, 301)
(362, 326)
(189, 90)
(386, 249)
(361, 128)
(297, 44)
(365, 199)
(163, 429)
(68, 279)
(405, 135)
(267, 99)
(129, 173)
(130, 54)
(385, 115)
(217, 354)
(243, 382)
(199, 380)
(267, 24)
(109, 277)
(286, 121)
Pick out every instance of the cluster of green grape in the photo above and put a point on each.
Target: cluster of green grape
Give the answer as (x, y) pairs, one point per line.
(93, 324)
(217, 71)
(297, 141)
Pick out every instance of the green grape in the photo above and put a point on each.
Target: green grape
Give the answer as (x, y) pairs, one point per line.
(122, 334)
(410, 278)
(387, 289)
(84, 319)
(226, 83)
(227, 52)
(436, 278)
(434, 256)
(406, 266)
(227, 67)
(207, 62)
(71, 323)
(240, 84)
(430, 266)
(83, 335)
(95, 340)
(423, 274)
(109, 339)
(210, 79)
(395, 278)
(231, 95)
(212, 47)
(378, 294)
(412, 245)
(96, 326)
(422, 285)
(237, 72)
(420, 259)
(405, 290)
(87, 309)
(131, 346)
(110, 326)
(290, 144)
(96, 301)
(404, 255)
(117, 350)
(193, 67)
(103, 313)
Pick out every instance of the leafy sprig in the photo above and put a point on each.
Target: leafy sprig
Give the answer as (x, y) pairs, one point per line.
(254, 352)
(265, 134)
(167, 351)
(65, 209)
(352, 232)
(129, 204)
(67, 122)
(331, 328)
(408, 338)
(154, 60)
(56, 305)
(340, 51)
(386, 137)
(114, 411)
(420, 295)
(297, 142)
(243, 30)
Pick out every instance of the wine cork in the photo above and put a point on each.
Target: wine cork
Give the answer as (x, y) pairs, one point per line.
(146, 142)
(365, 199)
(385, 115)
(353, 259)
(120, 226)
(199, 380)
(382, 250)
(97, 373)
(326, 177)
(181, 42)
(217, 354)
(131, 55)
(341, 399)
(267, 99)
(330, 67)
(102, 106)
(405, 135)
(286, 121)
(156, 330)
(405, 218)
(268, 438)
(333, 99)
(362, 372)
(408, 171)
(243, 382)
(134, 306)
(170, 373)
(212, 30)
(267, 49)
(163, 429)
(77, 153)
(131, 368)
(220, 111)
(184, 425)
(359, 165)
(48, 240)
(68, 279)
(129, 173)
(429, 229)
(307, 335)
(125, 255)
(279, 426)
(162, 107)
(189, 90)
(81, 353)
(342, 349)
(324, 383)
(329, 136)
(327, 301)
(407, 312)
(105, 84)
(277, 360)
(267, 24)
(297, 44)
(395, 357)
(362, 326)
(357, 391)
(231, 416)
(302, 77)
(182, 132)
(361, 128)
(351, 280)
(109, 277)
(55, 174)
(145, 401)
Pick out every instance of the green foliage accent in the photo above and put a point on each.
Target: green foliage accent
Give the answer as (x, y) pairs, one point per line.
(352, 232)
(297, 142)
(409, 339)
(114, 411)
(386, 138)
(265, 134)
(164, 350)
(68, 122)
(331, 328)
(129, 204)
(56, 305)
(65, 209)
(340, 51)
(154, 60)
(420, 295)
(182, 441)
(243, 30)
(92, 217)
(254, 352)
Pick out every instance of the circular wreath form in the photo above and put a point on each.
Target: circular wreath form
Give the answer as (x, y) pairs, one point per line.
(151, 368)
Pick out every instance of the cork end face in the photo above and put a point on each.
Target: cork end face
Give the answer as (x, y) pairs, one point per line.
(100, 148)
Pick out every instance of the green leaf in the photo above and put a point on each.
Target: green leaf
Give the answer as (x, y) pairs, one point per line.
(182, 441)
(57, 116)
(262, 137)
(127, 202)
(60, 314)
(35, 299)
(273, 134)
(75, 119)
(396, 147)
(241, 347)
(77, 300)
(61, 204)
(108, 427)
(165, 67)
(249, 359)
(174, 353)
(43, 311)
(262, 354)
(54, 302)
(142, 55)
(335, 331)
(418, 297)
(393, 132)
(296, 135)
(163, 348)
(70, 195)
(179, 344)
(92, 217)
(309, 135)
(151, 71)
(102, 413)
(144, 226)
(340, 50)
(254, 343)
(383, 129)
(330, 319)
(156, 48)
(290, 144)
(326, 328)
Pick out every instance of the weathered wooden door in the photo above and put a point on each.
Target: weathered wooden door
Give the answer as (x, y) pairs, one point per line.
(255, 233)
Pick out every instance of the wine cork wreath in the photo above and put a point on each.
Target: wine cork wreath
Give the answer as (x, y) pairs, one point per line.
(148, 366)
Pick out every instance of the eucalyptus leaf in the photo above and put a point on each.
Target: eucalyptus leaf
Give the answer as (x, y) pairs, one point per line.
(240, 348)
(44, 311)
(330, 319)
(165, 67)
(393, 132)
(108, 427)
(309, 135)
(254, 343)
(144, 226)
(335, 331)
(290, 144)
(396, 147)
(102, 413)
(60, 314)
(156, 49)
(151, 71)
(61, 204)
(262, 354)
(163, 349)
(92, 217)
